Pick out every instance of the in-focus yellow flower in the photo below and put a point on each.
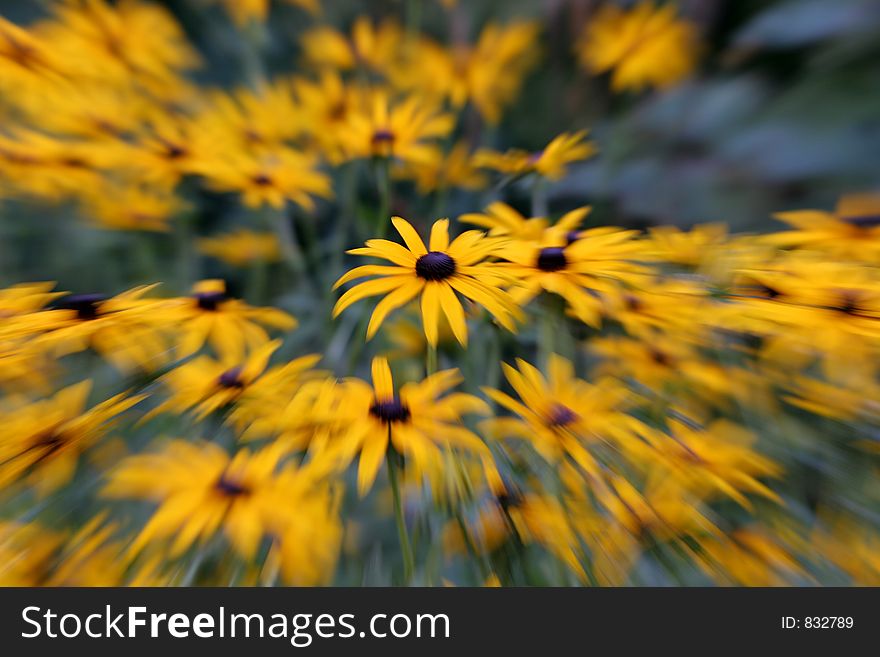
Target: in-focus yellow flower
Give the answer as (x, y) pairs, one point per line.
(597, 261)
(404, 131)
(242, 247)
(418, 422)
(562, 415)
(550, 163)
(852, 231)
(646, 46)
(435, 275)
(201, 491)
(230, 326)
(43, 440)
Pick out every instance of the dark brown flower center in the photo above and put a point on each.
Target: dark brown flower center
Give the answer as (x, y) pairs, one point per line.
(86, 306)
(383, 137)
(262, 180)
(863, 221)
(231, 378)
(209, 300)
(435, 266)
(231, 488)
(552, 258)
(392, 410)
(561, 416)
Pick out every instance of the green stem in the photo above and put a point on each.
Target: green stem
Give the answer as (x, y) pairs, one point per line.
(431, 360)
(405, 546)
(539, 198)
(546, 334)
(383, 181)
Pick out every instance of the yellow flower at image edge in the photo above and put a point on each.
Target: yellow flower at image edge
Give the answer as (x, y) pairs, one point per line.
(201, 491)
(643, 46)
(43, 440)
(435, 275)
(418, 422)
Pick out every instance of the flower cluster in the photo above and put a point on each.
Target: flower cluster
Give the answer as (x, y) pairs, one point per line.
(534, 397)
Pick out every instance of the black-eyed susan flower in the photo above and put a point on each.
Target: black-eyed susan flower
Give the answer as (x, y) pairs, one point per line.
(370, 45)
(405, 130)
(230, 326)
(27, 552)
(242, 247)
(598, 260)
(504, 221)
(201, 491)
(563, 416)
(43, 440)
(434, 274)
(852, 231)
(551, 162)
(417, 421)
(645, 46)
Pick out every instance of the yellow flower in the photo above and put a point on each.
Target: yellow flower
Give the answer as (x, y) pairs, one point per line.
(271, 178)
(43, 440)
(129, 331)
(435, 275)
(229, 325)
(646, 46)
(201, 491)
(549, 163)
(405, 131)
(417, 422)
(503, 221)
(371, 46)
(242, 247)
(748, 557)
(596, 261)
(852, 231)
(692, 248)
(563, 416)
(489, 74)
(454, 169)
(132, 206)
(26, 553)
(325, 105)
(245, 11)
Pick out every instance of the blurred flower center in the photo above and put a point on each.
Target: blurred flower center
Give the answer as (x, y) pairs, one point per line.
(210, 300)
(230, 487)
(552, 258)
(390, 411)
(435, 266)
(87, 306)
(231, 378)
(561, 416)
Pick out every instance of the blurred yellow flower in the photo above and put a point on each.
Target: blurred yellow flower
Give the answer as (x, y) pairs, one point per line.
(549, 163)
(646, 46)
(242, 247)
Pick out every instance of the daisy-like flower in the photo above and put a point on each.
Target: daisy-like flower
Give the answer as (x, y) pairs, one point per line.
(550, 163)
(268, 178)
(200, 491)
(503, 221)
(418, 422)
(43, 440)
(404, 131)
(454, 169)
(851, 231)
(372, 46)
(562, 415)
(132, 206)
(246, 11)
(646, 46)
(597, 260)
(435, 274)
(26, 553)
(230, 326)
(128, 330)
(242, 247)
